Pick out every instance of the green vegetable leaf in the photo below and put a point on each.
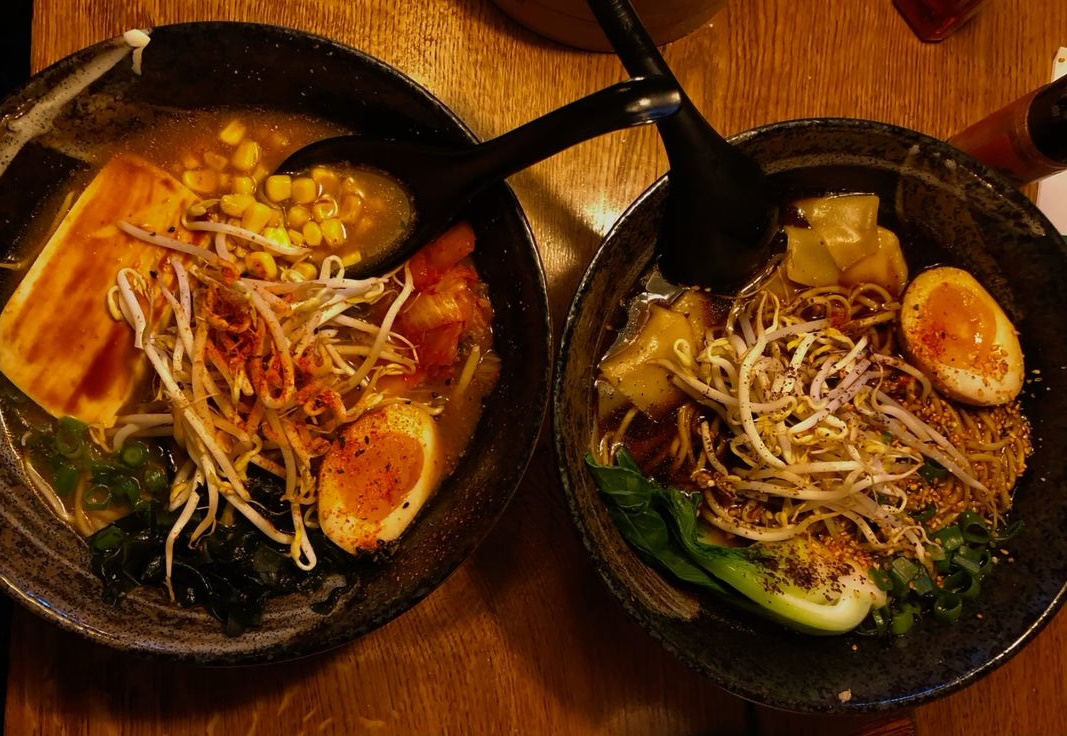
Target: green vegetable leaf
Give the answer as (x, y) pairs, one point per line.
(932, 471)
(664, 525)
(627, 488)
(640, 524)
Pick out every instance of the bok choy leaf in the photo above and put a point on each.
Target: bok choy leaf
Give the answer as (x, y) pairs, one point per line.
(797, 583)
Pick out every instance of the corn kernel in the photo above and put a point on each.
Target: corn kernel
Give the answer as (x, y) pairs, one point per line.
(233, 133)
(350, 186)
(201, 181)
(189, 161)
(277, 234)
(351, 207)
(199, 209)
(234, 205)
(298, 216)
(215, 161)
(295, 237)
(279, 187)
(351, 258)
(307, 270)
(324, 208)
(256, 217)
(312, 234)
(333, 232)
(304, 190)
(326, 178)
(243, 185)
(262, 265)
(261, 172)
(225, 179)
(246, 156)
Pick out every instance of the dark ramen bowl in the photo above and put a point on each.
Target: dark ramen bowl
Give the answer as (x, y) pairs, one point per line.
(947, 208)
(44, 564)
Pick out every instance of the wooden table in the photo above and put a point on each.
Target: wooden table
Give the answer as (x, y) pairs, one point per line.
(524, 637)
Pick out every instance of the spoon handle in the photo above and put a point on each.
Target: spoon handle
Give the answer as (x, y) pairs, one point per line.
(640, 56)
(630, 39)
(633, 102)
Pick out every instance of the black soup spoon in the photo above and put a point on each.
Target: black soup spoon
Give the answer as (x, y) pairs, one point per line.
(440, 181)
(720, 222)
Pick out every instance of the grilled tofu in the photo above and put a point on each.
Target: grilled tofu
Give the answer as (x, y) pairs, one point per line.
(58, 341)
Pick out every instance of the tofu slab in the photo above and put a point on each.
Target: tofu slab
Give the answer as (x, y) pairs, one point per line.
(58, 342)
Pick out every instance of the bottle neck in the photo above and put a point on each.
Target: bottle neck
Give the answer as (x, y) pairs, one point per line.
(1024, 139)
(1047, 120)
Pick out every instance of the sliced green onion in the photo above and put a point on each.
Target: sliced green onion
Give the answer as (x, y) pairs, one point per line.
(878, 619)
(923, 584)
(902, 622)
(974, 560)
(66, 479)
(155, 481)
(935, 552)
(973, 589)
(134, 454)
(950, 538)
(97, 498)
(902, 571)
(973, 528)
(125, 487)
(962, 583)
(947, 608)
(1009, 531)
(955, 581)
(104, 472)
(911, 607)
(879, 577)
(70, 437)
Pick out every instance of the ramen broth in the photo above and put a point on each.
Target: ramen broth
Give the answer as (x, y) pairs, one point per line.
(434, 352)
(834, 407)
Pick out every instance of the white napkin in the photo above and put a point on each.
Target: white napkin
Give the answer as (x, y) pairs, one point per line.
(1052, 191)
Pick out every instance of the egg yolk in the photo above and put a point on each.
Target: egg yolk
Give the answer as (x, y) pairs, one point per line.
(383, 468)
(958, 327)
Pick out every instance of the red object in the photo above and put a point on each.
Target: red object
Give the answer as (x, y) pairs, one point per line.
(933, 20)
(449, 303)
(438, 256)
(1026, 139)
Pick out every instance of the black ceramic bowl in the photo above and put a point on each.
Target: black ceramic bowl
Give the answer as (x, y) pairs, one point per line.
(947, 208)
(44, 565)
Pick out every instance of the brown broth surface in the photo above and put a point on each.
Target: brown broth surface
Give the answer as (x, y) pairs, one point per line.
(189, 146)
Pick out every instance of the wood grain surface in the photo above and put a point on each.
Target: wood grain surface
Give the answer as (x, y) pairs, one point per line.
(524, 638)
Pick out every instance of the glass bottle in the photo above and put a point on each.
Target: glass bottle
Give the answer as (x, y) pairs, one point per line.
(933, 20)
(1026, 139)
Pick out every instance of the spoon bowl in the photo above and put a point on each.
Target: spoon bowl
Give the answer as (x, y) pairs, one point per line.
(440, 181)
(720, 224)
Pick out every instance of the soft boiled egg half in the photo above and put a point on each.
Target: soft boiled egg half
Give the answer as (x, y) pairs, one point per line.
(377, 476)
(958, 335)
